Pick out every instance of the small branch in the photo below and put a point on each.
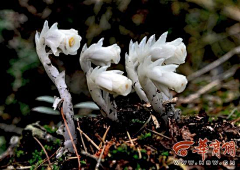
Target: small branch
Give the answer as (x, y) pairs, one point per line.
(135, 139)
(214, 64)
(144, 125)
(209, 86)
(104, 136)
(84, 146)
(70, 135)
(158, 134)
(48, 159)
(89, 139)
(203, 90)
(130, 138)
(100, 157)
(234, 110)
(139, 153)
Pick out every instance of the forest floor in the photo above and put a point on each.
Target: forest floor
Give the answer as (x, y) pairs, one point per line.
(210, 123)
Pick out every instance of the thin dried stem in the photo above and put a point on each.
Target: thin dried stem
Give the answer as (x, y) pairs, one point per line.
(89, 139)
(70, 135)
(139, 153)
(135, 139)
(48, 159)
(84, 146)
(130, 138)
(104, 136)
(215, 83)
(214, 64)
(100, 157)
(158, 134)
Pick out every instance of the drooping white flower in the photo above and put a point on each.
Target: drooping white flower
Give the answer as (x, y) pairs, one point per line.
(112, 81)
(101, 83)
(162, 76)
(66, 41)
(180, 52)
(99, 55)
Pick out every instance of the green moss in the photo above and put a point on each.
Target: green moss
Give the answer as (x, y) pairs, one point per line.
(19, 153)
(57, 142)
(50, 129)
(143, 136)
(165, 153)
(137, 121)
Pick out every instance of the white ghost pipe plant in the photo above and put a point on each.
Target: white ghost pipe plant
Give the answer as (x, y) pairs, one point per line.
(151, 65)
(68, 42)
(102, 83)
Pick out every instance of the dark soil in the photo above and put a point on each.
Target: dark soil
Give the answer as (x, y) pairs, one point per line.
(149, 146)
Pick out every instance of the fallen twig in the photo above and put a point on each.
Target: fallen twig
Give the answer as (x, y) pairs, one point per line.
(139, 153)
(70, 135)
(84, 146)
(104, 136)
(214, 64)
(234, 110)
(203, 90)
(209, 86)
(48, 159)
(144, 125)
(100, 157)
(132, 144)
(158, 133)
(89, 139)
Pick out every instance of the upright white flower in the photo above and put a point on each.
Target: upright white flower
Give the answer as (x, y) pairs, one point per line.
(151, 66)
(99, 55)
(66, 41)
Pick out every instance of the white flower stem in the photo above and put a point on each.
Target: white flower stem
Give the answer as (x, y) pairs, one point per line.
(59, 80)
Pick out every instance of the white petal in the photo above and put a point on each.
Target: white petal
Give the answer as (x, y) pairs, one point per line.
(162, 39)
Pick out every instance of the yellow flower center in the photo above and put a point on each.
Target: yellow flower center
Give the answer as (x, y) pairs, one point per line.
(71, 41)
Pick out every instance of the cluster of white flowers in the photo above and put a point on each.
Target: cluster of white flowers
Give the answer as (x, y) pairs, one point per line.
(101, 82)
(151, 65)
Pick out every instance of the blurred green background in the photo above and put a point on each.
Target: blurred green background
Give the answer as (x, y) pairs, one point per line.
(209, 28)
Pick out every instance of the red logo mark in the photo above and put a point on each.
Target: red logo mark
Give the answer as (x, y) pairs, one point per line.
(180, 148)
